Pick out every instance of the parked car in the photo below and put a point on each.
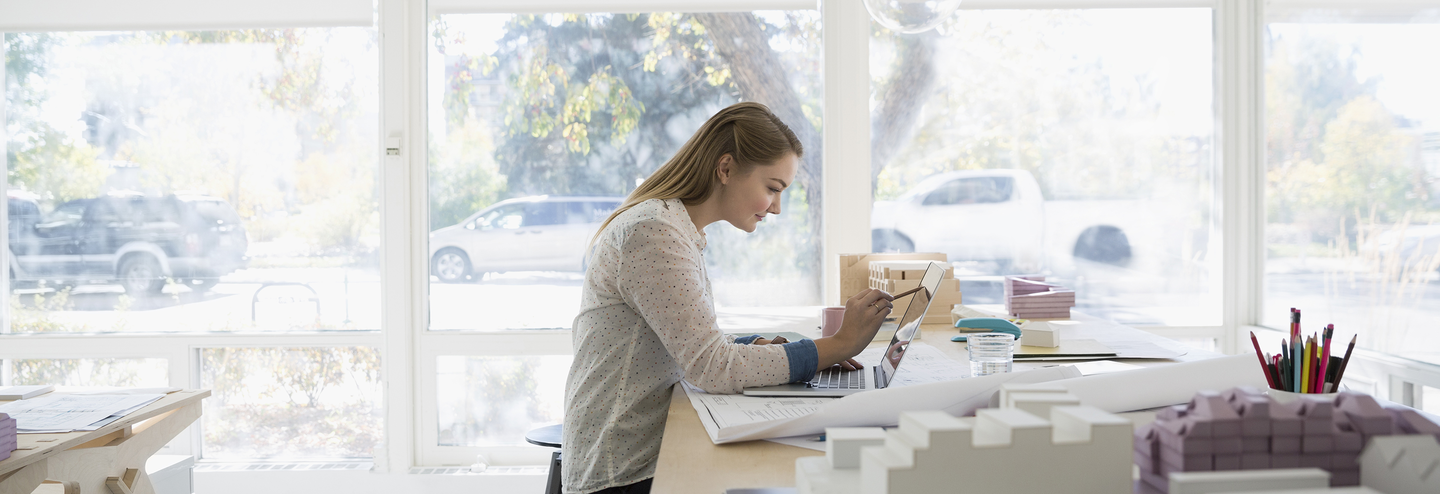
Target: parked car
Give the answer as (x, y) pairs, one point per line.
(1000, 216)
(1415, 248)
(136, 241)
(537, 233)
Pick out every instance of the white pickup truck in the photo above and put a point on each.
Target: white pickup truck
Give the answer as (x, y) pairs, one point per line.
(1000, 216)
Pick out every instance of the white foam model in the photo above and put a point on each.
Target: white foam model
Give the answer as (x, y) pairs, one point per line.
(842, 444)
(1401, 464)
(1080, 450)
(1248, 480)
(1003, 398)
(1039, 333)
(1039, 404)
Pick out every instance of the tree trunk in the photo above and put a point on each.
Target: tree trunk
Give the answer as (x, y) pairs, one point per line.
(761, 78)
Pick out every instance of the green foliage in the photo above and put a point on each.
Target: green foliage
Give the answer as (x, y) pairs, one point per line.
(55, 166)
(464, 177)
(130, 372)
(38, 316)
(1335, 153)
(291, 402)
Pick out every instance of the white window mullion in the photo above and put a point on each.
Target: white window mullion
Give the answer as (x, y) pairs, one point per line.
(1239, 76)
(402, 26)
(846, 163)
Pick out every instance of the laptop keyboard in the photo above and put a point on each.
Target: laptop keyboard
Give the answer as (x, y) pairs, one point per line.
(837, 378)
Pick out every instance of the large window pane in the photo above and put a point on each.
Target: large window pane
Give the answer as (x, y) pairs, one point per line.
(164, 181)
(291, 403)
(541, 124)
(1352, 230)
(129, 372)
(1052, 142)
(494, 401)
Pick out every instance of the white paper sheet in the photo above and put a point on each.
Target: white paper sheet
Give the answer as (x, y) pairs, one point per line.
(734, 418)
(64, 413)
(1165, 385)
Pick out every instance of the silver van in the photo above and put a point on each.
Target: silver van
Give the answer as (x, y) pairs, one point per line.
(536, 233)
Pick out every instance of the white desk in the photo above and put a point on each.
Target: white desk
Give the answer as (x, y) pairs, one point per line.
(690, 463)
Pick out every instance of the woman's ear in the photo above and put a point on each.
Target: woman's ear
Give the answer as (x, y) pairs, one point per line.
(725, 169)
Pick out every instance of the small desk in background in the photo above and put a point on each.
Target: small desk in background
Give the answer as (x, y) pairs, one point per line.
(108, 460)
(690, 463)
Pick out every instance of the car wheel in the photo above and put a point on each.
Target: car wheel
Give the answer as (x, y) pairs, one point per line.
(450, 265)
(202, 285)
(1105, 244)
(890, 241)
(140, 275)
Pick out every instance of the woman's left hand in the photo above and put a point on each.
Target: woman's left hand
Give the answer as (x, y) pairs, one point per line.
(850, 364)
(779, 340)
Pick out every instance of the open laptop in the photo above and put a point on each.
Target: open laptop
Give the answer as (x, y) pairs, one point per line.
(838, 382)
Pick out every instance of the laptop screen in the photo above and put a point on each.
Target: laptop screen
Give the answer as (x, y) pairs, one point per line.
(909, 324)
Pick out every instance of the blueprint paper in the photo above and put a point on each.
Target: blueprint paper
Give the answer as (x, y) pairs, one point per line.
(65, 413)
(735, 418)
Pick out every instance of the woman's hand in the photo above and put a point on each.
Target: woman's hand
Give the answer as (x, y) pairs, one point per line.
(779, 340)
(864, 313)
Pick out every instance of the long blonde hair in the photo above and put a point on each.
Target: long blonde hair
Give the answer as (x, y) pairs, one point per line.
(748, 132)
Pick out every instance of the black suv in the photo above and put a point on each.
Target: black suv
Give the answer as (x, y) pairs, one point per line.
(132, 240)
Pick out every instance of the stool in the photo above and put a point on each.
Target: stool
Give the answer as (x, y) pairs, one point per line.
(548, 436)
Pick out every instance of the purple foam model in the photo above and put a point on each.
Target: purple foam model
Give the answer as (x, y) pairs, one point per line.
(1030, 297)
(9, 439)
(1244, 429)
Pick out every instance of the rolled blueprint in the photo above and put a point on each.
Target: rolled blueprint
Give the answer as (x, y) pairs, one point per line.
(880, 407)
(1164, 385)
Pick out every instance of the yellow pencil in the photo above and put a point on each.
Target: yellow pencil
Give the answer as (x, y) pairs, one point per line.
(1305, 366)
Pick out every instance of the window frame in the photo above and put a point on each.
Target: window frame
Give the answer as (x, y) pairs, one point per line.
(409, 348)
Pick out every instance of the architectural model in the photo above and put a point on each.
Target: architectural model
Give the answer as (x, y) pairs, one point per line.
(1401, 464)
(1029, 297)
(1080, 450)
(9, 439)
(1243, 429)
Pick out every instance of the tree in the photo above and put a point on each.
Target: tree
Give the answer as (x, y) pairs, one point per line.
(51, 162)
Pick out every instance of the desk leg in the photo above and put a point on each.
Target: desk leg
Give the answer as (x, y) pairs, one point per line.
(115, 464)
(24, 480)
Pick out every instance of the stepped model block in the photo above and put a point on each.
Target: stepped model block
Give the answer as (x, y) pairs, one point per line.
(1030, 297)
(855, 269)
(1080, 449)
(1243, 429)
(1005, 398)
(1039, 333)
(9, 438)
(1402, 464)
(842, 444)
(900, 276)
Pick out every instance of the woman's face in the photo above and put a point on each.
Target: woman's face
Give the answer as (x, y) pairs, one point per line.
(746, 198)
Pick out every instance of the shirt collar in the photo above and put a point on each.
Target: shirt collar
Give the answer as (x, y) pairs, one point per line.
(676, 208)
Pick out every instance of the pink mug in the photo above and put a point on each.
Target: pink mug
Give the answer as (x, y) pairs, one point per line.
(830, 319)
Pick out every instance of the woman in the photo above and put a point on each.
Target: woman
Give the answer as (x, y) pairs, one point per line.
(647, 317)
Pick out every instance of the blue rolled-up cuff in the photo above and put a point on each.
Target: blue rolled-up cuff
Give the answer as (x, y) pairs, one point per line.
(747, 340)
(804, 358)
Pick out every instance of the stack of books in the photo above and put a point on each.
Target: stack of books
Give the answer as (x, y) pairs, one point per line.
(9, 436)
(900, 276)
(1030, 297)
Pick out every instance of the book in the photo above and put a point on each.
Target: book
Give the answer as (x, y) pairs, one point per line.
(1068, 349)
(24, 392)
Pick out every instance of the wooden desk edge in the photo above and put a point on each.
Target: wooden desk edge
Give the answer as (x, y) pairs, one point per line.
(66, 440)
(746, 464)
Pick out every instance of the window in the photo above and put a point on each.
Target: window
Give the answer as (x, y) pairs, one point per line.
(201, 184)
(1050, 142)
(539, 125)
(1352, 232)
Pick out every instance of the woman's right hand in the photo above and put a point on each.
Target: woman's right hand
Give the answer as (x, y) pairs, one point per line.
(864, 313)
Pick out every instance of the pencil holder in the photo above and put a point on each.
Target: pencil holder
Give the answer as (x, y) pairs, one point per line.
(1284, 397)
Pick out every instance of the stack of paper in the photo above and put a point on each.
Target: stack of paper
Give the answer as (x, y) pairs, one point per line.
(9, 439)
(1030, 297)
(66, 412)
(24, 392)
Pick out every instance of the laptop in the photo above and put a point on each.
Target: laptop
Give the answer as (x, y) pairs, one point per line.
(839, 382)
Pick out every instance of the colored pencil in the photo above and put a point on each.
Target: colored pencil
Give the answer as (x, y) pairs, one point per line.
(1307, 358)
(1325, 357)
(1261, 355)
(1344, 362)
(1284, 365)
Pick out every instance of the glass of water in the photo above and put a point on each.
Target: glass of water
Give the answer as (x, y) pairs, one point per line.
(990, 353)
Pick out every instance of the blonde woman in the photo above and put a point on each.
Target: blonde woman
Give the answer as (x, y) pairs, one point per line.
(647, 316)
